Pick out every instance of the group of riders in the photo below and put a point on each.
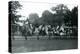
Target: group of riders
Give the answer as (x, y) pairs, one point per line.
(30, 30)
(42, 30)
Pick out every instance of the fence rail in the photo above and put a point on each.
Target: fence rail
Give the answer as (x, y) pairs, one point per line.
(42, 37)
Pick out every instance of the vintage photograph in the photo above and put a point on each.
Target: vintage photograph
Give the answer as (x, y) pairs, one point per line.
(41, 26)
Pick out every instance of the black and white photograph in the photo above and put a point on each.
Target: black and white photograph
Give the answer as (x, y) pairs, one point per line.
(42, 26)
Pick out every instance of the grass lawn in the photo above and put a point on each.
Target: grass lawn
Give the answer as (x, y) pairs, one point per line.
(42, 45)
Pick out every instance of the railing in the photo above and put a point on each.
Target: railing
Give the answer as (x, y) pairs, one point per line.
(42, 37)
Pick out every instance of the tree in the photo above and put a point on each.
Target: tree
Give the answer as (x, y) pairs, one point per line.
(33, 17)
(68, 18)
(60, 10)
(47, 17)
(56, 18)
(13, 6)
(71, 17)
(74, 15)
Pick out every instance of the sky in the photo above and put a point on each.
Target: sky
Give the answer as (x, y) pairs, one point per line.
(37, 7)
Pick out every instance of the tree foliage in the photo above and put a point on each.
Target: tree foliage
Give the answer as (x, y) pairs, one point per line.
(33, 18)
(57, 18)
(60, 9)
(47, 17)
(74, 15)
(13, 6)
(71, 17)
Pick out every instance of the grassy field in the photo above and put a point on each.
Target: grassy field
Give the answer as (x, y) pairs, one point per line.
(42, 45)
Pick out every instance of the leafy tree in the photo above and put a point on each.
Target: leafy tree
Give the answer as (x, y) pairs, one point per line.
(47, 17)
(13, 6)
(68, 18)
(60, 9)
(57, 18)
(71, 17)
(33, 17)
(74, 15)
